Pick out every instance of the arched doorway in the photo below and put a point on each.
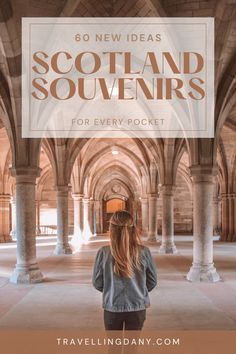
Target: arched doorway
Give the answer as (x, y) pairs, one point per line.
(111, 206)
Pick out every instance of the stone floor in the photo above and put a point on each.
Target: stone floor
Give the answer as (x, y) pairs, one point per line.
(66, 298)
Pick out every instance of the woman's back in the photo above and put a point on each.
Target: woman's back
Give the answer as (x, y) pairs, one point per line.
(124, 272)
(122, 293)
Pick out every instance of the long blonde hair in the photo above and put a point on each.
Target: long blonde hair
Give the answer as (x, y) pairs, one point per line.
(125, 244)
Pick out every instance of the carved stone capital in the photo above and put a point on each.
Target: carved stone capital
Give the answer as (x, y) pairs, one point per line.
(203, 173)
(25, 174)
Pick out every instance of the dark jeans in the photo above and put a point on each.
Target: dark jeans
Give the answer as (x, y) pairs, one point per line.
(133, 321)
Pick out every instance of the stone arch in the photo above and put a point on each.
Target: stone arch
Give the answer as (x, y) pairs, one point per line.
(103, 180)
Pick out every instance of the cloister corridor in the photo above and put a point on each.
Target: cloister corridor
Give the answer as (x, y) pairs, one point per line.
(66, 299)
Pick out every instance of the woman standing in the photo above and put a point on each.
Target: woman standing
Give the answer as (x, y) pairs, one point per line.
(124, 272)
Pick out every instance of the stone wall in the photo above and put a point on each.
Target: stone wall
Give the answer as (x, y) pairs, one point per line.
(183, 208)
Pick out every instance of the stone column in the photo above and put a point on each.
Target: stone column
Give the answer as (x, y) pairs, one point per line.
(78, 218)
(63, 246)
(234, 218)
(152, 216)
(101, 215)
(38, 231)
(231, 236)
(87, 233)
(203, 267)
(13, 218)
(144, 209)
(5, 218)
(91, 216)
(220, 215)
(216, 217)
(97, 210)
(228, 214)
(225, 217)
(26, 270)
(167, 241)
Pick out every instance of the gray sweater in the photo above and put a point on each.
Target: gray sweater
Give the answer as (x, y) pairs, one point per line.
(121, 294)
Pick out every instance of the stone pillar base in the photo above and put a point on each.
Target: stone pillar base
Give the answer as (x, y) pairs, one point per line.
(8, 238)
(204, 273)
(76, 242)
(26, 274)
(87, 236)
(168, 249)
(77, 239)
(38, 231)
(144, 233)
(152, 238)
(13, 235)
(5, 238)
(62, 249)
